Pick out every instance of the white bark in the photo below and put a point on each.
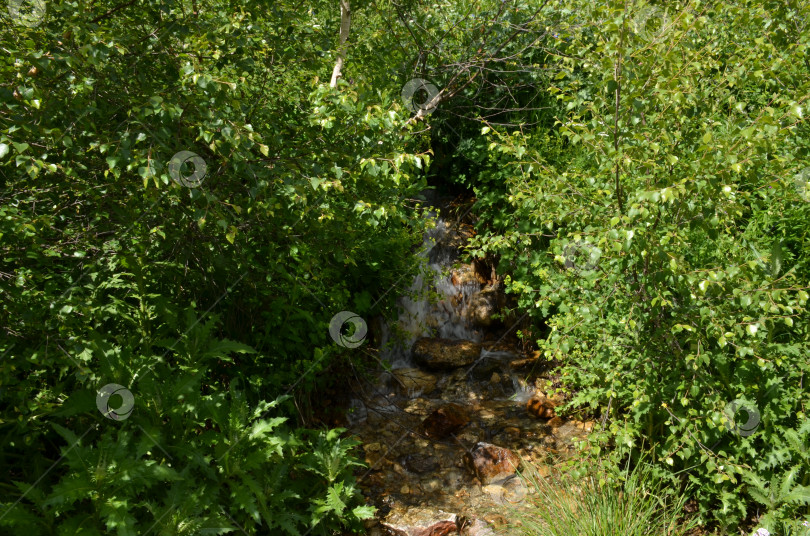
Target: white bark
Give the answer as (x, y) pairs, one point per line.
(345, 24)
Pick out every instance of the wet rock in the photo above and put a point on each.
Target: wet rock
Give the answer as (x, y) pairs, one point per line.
(478, 528)
(380, 458)
(483, 306)
(445, 421)
(495, 519)
(484, 368)
(465, 275)
(442, 528)
(383, 530)
(543, 470)
(566, 433)
(469, 437)
(453, 478)
(586, 426)
(539, 405)
(421, 522)
(417, 406)
(525, 362)
(420, 463)
(414, 379)
(444, 354)
(490, 462)
(512, 433)
(432, 484)
(555, 422)
(372, 447)
(487, 414)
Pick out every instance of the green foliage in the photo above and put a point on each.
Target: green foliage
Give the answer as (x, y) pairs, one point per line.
(233, 468)
(639, 172)
(205, 301)
(666, 247)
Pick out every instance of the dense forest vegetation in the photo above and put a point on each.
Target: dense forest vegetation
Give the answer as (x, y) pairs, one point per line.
(193, 189)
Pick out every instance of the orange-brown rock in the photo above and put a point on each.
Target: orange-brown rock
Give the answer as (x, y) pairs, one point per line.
(532, 359)
(521, 363)
(489, 462)
(445, 421)
(555, 422)
(541, 406)
(442, 528)
(464, 275)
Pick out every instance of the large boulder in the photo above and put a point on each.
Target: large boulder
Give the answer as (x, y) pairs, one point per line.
(445, 354)
(491, 463)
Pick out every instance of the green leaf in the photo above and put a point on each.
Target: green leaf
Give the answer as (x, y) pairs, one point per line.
(364, 512)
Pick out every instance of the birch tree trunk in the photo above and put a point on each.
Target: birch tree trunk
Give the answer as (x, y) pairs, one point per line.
(345, 23)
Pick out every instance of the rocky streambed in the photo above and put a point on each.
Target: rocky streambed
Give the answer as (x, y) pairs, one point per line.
(460, 408)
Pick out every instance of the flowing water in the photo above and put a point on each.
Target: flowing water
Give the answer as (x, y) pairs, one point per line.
(445, 314)
(418, 481)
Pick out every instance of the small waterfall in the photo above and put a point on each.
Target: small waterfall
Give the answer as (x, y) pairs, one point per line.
(436, 303)
(523, 390)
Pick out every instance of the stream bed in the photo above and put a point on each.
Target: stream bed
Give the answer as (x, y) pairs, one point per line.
(458, 410)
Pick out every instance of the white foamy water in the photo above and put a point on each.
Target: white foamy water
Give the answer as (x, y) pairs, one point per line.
(432, 306)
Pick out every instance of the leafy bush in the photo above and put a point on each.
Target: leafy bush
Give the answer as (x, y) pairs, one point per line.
(204, 298)
(668, 253)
